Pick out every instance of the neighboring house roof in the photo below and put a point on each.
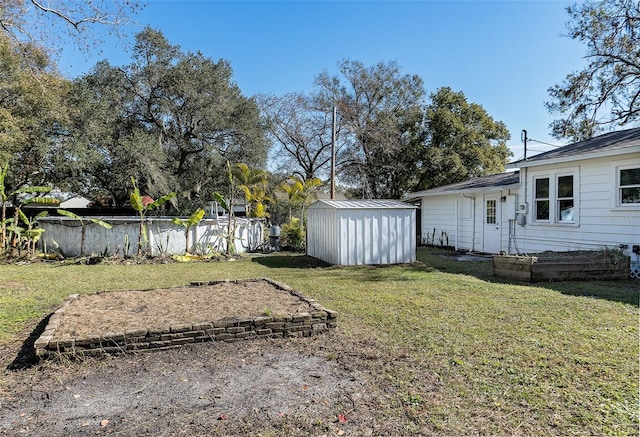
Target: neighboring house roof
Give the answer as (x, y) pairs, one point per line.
(501, 181)
(75, 202)
(361, 204)
(609, 144)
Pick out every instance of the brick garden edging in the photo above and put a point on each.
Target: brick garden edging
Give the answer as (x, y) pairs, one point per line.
(229, 329)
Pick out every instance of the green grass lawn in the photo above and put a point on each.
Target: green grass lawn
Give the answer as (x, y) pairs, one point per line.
(460, 351)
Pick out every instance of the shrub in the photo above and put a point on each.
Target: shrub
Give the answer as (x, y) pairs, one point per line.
(293, 234)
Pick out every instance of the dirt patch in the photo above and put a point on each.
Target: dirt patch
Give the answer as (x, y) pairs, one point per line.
(321, 385)
(135, 309)
(301, 386)
(249, 388)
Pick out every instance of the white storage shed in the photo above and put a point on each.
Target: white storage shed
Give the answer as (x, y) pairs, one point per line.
(359, 232)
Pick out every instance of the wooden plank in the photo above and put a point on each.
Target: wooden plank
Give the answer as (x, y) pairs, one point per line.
(513, 260)
(514, 267)
(574, 267)
(559, 269)
(524, 275)
(576, 276)
(606, 271)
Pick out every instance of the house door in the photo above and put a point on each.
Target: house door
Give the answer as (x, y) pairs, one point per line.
(491, 226)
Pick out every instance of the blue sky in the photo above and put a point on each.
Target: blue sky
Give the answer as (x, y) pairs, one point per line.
(503, 55)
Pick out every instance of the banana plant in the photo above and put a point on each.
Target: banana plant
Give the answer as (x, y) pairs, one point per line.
(17, 231)
(30, 234)
(188, 223)
(231, 228)
(144, 204)
(83, 225)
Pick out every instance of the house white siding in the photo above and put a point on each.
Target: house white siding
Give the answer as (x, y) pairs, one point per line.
(361, 232)
(600, 221)
(458, 220)
(582, 196)
(437, 220)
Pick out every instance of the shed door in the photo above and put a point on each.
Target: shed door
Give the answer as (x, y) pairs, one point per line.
(491, 226)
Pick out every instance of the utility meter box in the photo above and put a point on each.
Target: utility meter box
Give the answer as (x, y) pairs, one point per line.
(523, 208)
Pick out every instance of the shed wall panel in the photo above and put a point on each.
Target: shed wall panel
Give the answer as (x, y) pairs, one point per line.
(362, 235)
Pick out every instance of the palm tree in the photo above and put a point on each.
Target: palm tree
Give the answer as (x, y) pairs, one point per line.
(253, 182)
(300, 192)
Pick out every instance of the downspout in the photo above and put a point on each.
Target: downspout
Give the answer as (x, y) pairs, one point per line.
(457, 218)
(525, 200)
(473, 221)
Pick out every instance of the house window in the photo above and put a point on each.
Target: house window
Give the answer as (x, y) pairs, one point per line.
(542, 199)
(491, 212)
(629, 191)
(565, 199)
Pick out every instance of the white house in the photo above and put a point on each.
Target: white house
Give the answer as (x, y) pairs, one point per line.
(470, 215)
(358, 232)
(583, 196)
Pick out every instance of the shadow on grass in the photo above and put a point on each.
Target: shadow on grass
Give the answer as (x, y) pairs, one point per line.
(290, 261)
(627, 292)
(27, 355)
(442, 260)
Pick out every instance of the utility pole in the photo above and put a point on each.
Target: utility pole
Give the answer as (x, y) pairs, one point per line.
(523, 137)
(333, 153)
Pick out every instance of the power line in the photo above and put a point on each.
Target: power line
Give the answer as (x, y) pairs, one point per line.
(542, 142)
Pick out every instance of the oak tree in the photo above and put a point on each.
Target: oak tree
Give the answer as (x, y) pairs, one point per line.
(462, 141)
(301, 133)
(32, 113)
(171, 119)
(50, 24)
(606, 93)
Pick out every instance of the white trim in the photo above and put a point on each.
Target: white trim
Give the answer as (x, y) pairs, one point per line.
(615, 189)
(578, 156)
(553, 175)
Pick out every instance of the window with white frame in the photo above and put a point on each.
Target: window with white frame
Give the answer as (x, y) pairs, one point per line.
(565, 200)
(555, 197)
(541, 201)
(629, 186)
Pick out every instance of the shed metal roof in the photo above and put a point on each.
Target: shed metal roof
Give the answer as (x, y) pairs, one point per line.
(611, 143)
(363, 204)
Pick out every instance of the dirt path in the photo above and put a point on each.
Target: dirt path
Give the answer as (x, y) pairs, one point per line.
(316, 386)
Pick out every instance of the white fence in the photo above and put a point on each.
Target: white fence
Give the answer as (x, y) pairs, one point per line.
(163, 237)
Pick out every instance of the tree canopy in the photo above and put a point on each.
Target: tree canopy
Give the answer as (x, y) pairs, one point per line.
(171, 119)
(606, 93)
(399, 141)
(174, 120)
(381, 109)
(301, 133)
(463, 141)
(32, 113)
(48, 24)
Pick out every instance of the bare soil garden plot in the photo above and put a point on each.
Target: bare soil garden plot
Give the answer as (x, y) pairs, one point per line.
(162, 318)
(297, 386)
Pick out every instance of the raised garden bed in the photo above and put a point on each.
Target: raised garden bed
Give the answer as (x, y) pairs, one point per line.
(229, 311)
(563, 266)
